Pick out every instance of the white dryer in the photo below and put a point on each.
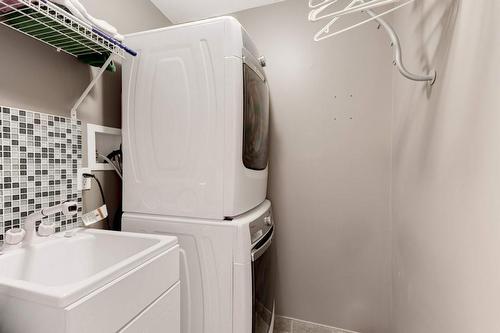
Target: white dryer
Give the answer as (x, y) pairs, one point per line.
(227, 269)
(195, 121)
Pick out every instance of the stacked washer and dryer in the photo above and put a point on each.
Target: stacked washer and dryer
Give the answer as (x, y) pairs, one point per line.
(195, 142)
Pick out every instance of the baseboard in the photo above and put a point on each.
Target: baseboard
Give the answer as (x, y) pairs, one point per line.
(284, 324)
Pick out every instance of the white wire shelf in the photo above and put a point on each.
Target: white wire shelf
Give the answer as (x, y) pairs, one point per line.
(54, 26)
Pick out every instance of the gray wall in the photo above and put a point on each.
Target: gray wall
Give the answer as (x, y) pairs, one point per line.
(330, 174)
(447, 171)
(35, 77)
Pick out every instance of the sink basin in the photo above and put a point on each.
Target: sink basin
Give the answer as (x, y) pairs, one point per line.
(61, 270)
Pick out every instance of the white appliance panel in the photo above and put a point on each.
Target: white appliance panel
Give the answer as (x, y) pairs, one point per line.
(206, 269)
(173, 134)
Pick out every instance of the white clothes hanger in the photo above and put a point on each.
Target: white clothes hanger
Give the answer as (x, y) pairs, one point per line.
(365, 6)
(353, 7)
(313, 4)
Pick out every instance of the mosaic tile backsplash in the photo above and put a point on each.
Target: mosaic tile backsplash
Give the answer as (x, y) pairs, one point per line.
(39, 158)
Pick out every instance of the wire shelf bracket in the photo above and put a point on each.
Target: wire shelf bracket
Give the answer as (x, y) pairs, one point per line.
(90, 87)
(319, 11)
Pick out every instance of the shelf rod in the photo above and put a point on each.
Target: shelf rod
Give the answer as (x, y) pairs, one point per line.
(90, 87)
(398, 54)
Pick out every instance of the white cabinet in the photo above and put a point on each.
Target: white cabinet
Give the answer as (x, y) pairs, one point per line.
(144, 299)
(112, 307)
(162, 316)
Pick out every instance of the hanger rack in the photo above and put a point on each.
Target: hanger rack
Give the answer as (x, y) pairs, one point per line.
(53, 26)
(319, 11)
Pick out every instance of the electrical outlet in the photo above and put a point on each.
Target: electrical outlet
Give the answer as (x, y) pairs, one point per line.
(83, 184)
(87, 184)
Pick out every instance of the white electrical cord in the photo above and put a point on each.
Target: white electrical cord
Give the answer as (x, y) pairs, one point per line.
(112, 164)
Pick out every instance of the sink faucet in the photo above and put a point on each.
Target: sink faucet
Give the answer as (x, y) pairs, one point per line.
(69, 208)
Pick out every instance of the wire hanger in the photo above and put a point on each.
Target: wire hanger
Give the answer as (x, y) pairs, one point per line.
(353, 7)
(319, 11)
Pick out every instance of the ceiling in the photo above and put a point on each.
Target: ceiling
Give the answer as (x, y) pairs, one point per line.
(180, 11)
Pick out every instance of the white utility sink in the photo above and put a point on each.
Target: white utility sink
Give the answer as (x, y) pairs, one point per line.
(61, 272)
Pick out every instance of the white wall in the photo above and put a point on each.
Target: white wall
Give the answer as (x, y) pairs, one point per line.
(446, 179)
(330, 174)
(35, 77)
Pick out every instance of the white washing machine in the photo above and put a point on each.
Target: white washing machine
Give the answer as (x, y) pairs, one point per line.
(195, 121)
(227, 269)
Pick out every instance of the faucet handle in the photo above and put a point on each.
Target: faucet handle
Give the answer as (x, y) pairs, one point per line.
(46, 228)
(14, 236)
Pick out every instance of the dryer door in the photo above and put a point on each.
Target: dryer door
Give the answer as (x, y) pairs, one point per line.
(264, 276)
(255, 118)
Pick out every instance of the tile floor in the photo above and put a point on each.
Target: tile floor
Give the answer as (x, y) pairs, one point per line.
(290, 325)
